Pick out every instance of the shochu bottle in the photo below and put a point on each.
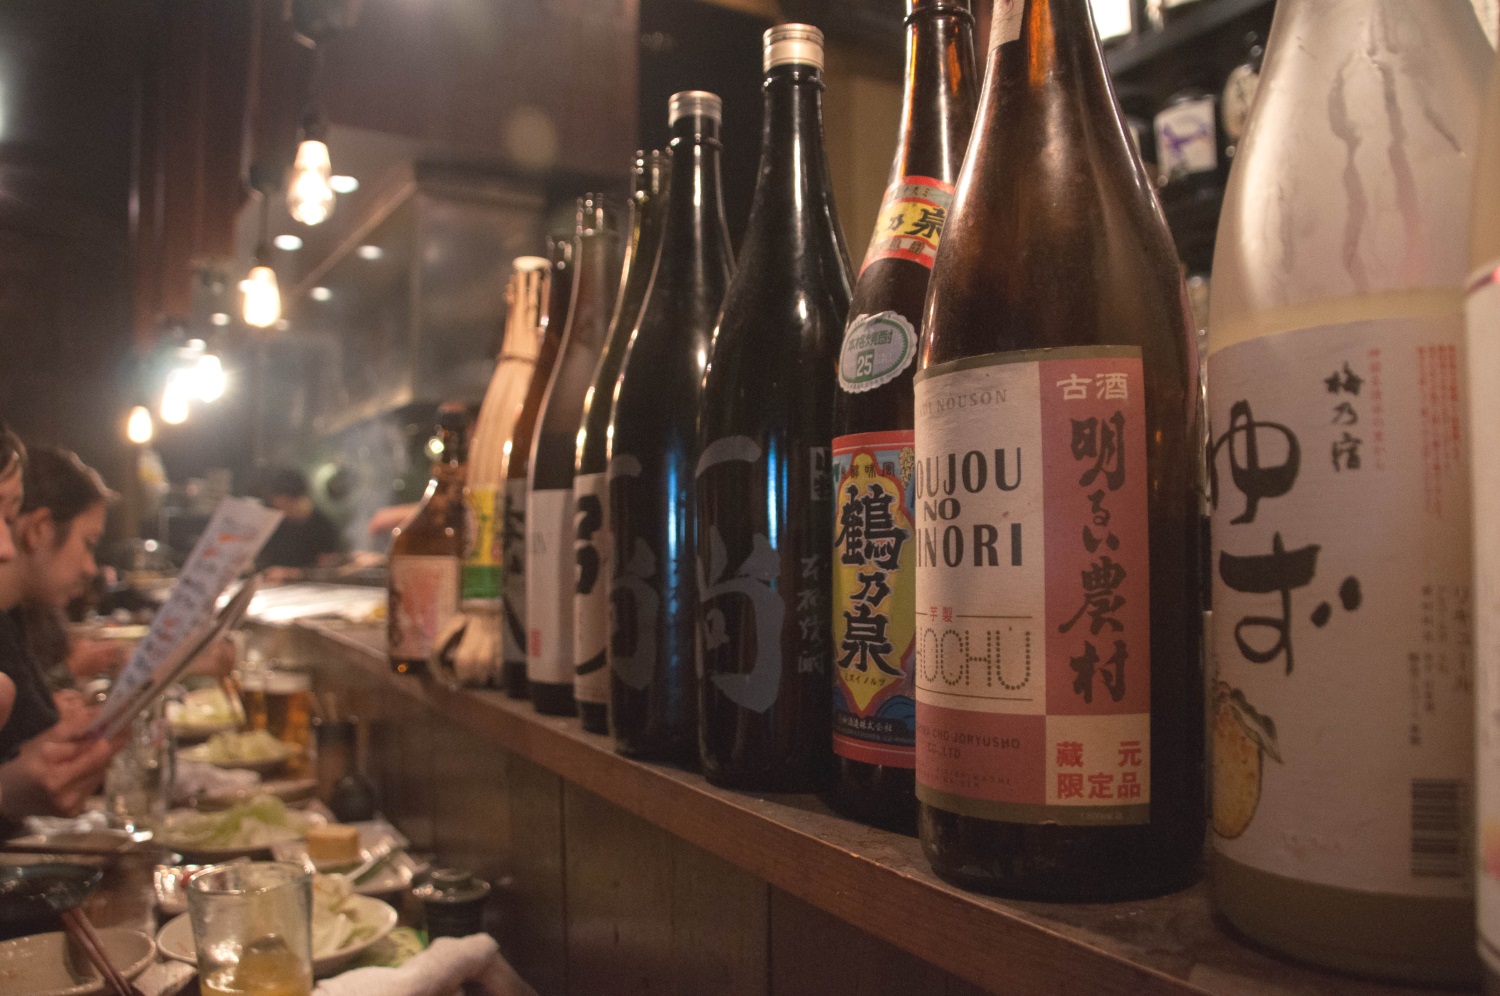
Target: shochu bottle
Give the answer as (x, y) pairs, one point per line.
(653, 450)
(1059, 679)
(558, 289)
(591, 545)
(764, 492)
(874, 714)
(549, 496)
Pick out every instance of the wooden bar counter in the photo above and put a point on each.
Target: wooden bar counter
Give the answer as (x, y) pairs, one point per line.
(614, 876)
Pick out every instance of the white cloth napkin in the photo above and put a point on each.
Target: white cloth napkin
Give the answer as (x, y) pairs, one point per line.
(438, 971)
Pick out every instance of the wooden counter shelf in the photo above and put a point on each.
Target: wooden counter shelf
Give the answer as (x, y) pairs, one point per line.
(813, 861)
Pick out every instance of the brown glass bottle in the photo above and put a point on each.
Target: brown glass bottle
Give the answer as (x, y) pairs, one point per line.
(592, 548)
(518, 464)
(1059, 679)
(874, 716)
(550, 570)
(427, 553)
(763, 499)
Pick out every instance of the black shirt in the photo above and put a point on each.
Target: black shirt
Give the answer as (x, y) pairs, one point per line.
(300, 543)
(34, 711)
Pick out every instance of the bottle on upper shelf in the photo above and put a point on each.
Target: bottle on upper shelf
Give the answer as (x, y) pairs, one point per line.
(764, 496)
(550, 567)
(654, 450)
(874, 541)
(427, 552)
(593, 549)
(553, 293)
(1059, 679)
(1343, 708)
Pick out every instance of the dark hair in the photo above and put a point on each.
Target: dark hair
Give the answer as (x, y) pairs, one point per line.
(12, 451)
(286, 482)
(63, 484)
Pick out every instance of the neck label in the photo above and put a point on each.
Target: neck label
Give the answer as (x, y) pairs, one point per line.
(1006, 26)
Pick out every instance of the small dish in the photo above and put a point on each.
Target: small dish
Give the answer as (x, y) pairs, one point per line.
(175, 940)
(49, 965)
(262, 766)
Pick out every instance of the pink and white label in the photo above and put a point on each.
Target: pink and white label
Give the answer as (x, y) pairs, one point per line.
(1033, 643)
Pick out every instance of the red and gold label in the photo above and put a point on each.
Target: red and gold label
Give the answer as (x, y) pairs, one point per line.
(911, 221)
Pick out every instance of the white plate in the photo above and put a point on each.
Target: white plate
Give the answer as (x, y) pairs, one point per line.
(176, 938)
(394, 875)
(41, 964)
(211, 855)
(263, 766)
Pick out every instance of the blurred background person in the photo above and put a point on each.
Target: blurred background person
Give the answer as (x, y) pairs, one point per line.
(306, 537)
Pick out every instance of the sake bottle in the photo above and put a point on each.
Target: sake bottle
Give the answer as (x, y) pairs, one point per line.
(1058, 673)
(592, 547)
(550, 529)
(764, 495)
(554, 293)
(1483, 313)
(1342, 706)
(874, 548)
(654, 449)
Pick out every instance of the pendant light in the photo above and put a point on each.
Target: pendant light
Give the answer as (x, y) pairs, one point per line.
(262, 295)
(309, 189)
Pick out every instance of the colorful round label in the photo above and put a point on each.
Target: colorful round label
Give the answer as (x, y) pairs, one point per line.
(877, 348)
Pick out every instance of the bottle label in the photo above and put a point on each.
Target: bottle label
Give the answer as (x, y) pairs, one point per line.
(911, 219)
(1005, 22)
(513, 592)
(1342, 700)
(634, 601)
(1186, 140)
(1484, 422)
(876, 350)
(424, 596)
(1033, 657)
(591, 565)
(549, 596)
(874, 715)
(483, 558)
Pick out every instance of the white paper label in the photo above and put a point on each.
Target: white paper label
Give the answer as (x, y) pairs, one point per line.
(592, 545)
(1484, 423)
(549, 595)
(1186, 141)
(513, 590)
(877, 349)
(1343, 704)
(1005, 24)
(424, 596)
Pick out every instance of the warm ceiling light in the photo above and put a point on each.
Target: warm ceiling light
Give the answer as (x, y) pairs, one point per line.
(262, 297)
(342, 184)
(369, 252)
(174, 398)
(220, 318)
(138, 428)
(309, 197)
(208, 378)
(288, 242)
(320, 294)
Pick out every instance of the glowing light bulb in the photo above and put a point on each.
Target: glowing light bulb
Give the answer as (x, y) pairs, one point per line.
(262, 297)
(174, 398)
(309, 195)
(208, 378)
(138, 428)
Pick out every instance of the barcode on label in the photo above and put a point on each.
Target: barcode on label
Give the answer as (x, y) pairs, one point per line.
(1439, 818)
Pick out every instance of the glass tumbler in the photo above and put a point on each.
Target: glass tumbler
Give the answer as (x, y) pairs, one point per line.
(252, 926)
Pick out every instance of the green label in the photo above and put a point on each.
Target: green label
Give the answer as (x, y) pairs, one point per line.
(482, 572)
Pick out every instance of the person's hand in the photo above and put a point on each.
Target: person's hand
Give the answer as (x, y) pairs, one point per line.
(216, 660)
(89, 658)
(388, 518)
(58, 770)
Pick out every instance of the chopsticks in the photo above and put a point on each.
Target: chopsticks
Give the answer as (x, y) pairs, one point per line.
(82, 931)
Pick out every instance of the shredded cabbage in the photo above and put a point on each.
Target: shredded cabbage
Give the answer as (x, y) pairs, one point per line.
(335, 921)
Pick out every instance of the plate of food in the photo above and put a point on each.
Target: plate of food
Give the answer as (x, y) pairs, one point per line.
(344, 924)
(345, 848)
(54, 965)
(202, 713)
(246, 829)
(253, 750)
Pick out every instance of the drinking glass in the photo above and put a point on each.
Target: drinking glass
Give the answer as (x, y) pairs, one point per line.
(252, 926)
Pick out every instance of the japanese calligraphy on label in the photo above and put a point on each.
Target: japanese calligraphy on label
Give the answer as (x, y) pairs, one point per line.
(1033, 653)
(876, 350)
(1342, 698)
(591, 556)
(549, 596)
(424, 596)
(874, 714)
(484, 558)
(911, 219)
(513, 579)
(1484, 421)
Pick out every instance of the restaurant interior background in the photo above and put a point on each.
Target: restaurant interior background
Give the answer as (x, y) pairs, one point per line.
(139, 140)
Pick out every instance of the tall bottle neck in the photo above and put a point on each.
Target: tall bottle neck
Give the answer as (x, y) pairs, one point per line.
(594, 275)
(1057, 37)
(695, 207)
(448, 468)
(791, 154)
(937, 109)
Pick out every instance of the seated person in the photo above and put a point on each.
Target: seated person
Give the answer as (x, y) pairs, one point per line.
(306, 537)
(47, 765)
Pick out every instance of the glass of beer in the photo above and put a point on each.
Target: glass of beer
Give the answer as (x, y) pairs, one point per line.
(252, 927)
(289, 709)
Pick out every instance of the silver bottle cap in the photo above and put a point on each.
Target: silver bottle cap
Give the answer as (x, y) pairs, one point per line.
(799, 43)
(694, 102)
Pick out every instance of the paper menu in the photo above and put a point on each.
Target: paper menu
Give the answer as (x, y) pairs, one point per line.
(230, 541)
